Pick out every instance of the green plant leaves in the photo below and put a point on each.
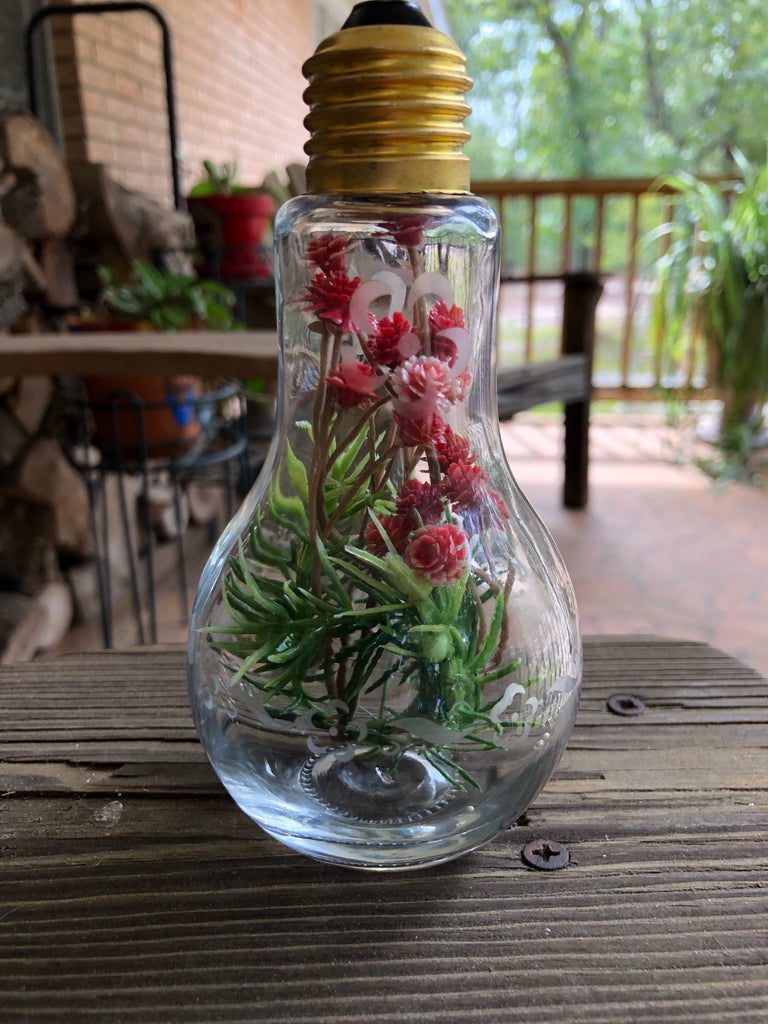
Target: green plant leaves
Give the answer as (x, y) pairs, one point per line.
(318, 622)
(170, 302)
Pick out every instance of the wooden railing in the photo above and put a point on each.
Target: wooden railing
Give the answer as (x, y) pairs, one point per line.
(550, 228)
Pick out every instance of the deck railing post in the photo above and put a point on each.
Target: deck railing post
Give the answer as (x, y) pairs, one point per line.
(582, 291)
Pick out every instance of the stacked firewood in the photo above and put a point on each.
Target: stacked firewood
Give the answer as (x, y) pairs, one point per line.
(58, 222)
(37, 207)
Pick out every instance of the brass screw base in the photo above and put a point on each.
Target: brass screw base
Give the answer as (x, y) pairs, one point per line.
(387, 112)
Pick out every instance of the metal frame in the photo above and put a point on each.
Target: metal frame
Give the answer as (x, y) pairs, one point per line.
(113, 8)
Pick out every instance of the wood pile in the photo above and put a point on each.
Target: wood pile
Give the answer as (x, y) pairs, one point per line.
(44, 519)
(58, 222)
(37, 211)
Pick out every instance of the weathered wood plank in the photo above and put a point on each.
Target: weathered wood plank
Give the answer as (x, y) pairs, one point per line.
(133, 889)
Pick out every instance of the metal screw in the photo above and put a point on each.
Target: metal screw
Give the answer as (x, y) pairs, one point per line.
(625, 704)
(545, 855)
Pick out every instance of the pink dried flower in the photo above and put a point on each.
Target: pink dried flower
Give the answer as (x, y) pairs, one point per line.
(423, 386)
(353, 382)
(328, 252)
(392, 340)
(459, 387)
(328, 295)
(438, 553)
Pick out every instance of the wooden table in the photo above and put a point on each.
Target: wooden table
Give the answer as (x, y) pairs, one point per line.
(133, 889)
(244, 353)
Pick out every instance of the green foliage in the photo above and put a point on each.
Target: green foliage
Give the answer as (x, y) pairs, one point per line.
(374, 627)
(219, 180)
(612, 87)
(713, 280)
(170, 302)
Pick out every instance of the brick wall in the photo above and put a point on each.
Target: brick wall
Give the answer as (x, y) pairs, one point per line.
(237, 72)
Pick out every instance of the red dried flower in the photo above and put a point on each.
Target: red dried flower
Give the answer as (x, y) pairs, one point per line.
(441, 318)
(353, 382)
(420, 433)
(328, 252)
(421, 497)
(398, 529)
(328, 295)
(392, 340)
(452, 448)
(444, 348)
(438, 553)
(466, 488)
(464, 485)
(407, 230)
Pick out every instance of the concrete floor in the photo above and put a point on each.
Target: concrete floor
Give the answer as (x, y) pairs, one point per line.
(657, 550)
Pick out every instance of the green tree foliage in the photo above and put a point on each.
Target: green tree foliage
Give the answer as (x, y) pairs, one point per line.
(612, 87)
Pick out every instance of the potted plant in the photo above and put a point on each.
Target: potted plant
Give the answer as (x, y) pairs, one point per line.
(232, 222)
(713, 282)
(153, 299)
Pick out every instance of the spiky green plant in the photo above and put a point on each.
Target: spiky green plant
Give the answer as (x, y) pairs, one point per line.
(713, 282)
(375, 626)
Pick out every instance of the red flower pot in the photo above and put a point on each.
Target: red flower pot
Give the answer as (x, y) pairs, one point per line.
(231, 233)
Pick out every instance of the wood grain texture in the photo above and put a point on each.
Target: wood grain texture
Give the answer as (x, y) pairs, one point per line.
(133, 889)
(205, 353)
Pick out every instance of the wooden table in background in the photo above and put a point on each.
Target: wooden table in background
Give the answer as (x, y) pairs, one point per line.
(243, 354)
(133, 889)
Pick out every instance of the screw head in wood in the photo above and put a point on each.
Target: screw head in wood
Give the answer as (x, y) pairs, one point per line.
(545, 855)
(625, 704)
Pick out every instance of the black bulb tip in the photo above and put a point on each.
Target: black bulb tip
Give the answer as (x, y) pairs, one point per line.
(386, 12)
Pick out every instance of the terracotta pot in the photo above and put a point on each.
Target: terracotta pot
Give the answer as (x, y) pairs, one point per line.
(170, 425)
(164, 407)
(231, 233)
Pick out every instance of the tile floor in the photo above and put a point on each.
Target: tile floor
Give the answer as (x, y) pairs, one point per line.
(657, 550)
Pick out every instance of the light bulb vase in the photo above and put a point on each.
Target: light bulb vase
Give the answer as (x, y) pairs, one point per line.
(384, 656)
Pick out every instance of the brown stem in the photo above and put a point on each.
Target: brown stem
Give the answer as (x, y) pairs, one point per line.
(342, 507)
(501, 645)
(482, 629)
(352, 433)
(321, 418)
(420, 317)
